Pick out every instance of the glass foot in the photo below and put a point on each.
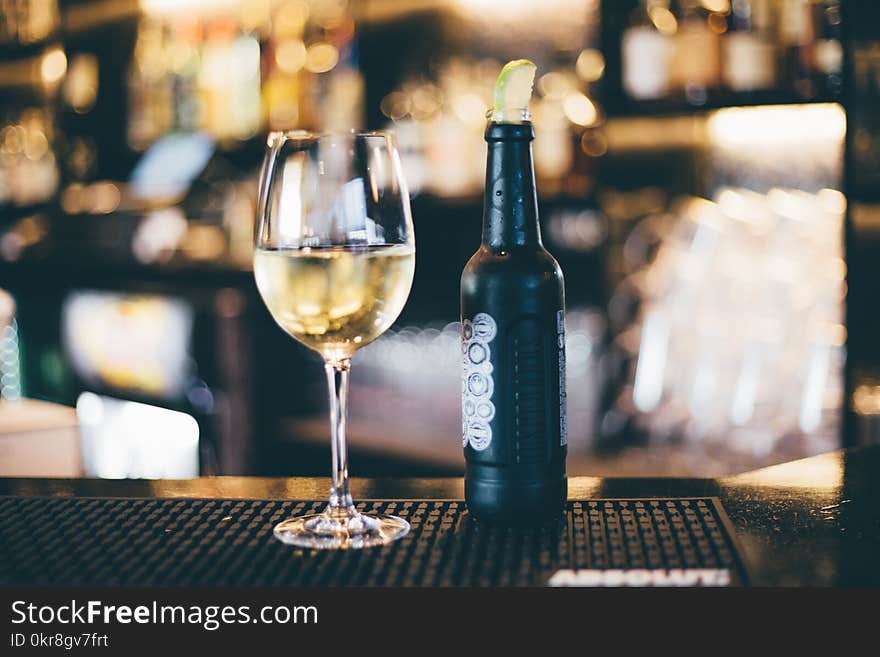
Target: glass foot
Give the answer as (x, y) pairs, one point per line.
(330, 531)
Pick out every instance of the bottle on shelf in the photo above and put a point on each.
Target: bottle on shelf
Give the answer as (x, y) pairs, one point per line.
(796, 36)
(646, 48)
(696, 53)
(749, 52)
(150, 87)
(829, 48)
(186, 35)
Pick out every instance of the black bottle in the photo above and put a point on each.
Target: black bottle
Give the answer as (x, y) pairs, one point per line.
(513, 348)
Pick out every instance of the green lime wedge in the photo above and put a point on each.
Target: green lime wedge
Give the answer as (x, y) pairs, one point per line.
(513, 89)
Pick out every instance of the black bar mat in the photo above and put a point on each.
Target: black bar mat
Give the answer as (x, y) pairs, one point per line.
(213, 542)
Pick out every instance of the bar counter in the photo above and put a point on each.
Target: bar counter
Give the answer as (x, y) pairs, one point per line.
(812, 522)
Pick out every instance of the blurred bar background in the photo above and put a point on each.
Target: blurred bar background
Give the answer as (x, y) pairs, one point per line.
(708, 173)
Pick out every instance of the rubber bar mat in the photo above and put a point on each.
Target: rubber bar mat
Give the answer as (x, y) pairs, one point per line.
(214, 542)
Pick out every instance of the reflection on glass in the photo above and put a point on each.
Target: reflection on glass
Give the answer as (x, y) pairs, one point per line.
(741, 325)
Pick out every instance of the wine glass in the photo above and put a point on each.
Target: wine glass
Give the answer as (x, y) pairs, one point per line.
(334, 261)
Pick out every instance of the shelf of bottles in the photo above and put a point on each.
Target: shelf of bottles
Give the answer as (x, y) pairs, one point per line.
(235, 70)
(672, 56)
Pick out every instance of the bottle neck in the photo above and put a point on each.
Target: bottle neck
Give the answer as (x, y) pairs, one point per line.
(510, 211)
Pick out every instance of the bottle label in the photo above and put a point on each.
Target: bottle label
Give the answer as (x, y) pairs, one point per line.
(530, 403)
(477, 384)
(749, 62)
(646, 54)
(560, 343)
(829, 56)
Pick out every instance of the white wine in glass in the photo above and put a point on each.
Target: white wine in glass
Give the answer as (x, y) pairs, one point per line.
(336, 299)
(334, 263)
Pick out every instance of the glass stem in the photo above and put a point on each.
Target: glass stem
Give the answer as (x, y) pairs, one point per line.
(341, 504)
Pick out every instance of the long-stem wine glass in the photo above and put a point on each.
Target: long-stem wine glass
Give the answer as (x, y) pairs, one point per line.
(334, 262)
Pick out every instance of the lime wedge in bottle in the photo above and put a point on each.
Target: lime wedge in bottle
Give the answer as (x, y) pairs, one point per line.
(513, 90)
